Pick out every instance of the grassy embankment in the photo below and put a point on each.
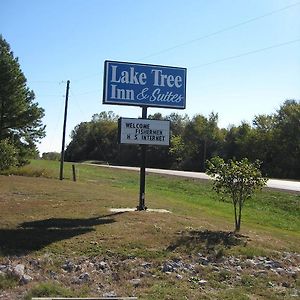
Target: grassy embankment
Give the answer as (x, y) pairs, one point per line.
(72, 219)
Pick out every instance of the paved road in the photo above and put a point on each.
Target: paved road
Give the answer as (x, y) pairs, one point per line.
(287, 185)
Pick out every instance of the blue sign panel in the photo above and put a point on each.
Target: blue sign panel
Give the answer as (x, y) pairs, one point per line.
(144, 85)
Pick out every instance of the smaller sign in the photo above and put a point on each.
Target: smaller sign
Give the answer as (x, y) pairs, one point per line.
(144, 132)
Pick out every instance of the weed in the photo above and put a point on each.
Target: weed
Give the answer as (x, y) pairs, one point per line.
(223, 275)
(251, 251)
(219, 252)
(234, 293)
(248, 280)
(7, 282)
(28, 171)
(49, 289)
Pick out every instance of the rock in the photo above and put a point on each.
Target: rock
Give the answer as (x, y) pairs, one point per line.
(18, 271)
(280, 271)
(292, 273)
(102, 265)
(111, 294)
(167, 267)
(178, 276)
(143, 274)
(35, 263)
(196, 280)
(202, 282)
(53, 275)
(261, 273)
(25, 279)
(270, 264)
(146, 265)
(286, 284)
(68, 266)
(233, 261)
(239, 269)
(78, 268)
(250, 263)
(135, 282)
(271, 284)
(82, 278)
(293, 270)
(85, 277)
(203, 261)
(189, 267)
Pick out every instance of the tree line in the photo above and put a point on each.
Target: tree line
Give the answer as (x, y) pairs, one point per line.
(273, 139)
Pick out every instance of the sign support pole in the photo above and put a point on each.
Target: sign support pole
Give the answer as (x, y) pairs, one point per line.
(141, 205)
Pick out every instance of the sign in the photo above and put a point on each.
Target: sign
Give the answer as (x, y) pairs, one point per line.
(144, 132)
(144, 85)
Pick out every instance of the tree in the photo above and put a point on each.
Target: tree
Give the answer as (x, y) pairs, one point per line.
(263, 141)
(273, 139)
(95, 140)
(203, 139)
(237, 179)
(51, 156)
(178, 123)
(20, 117)
(8, 155)
(177, 150)
(287, 140)
(238, 142)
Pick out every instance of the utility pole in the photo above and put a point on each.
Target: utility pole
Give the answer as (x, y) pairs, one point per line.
(62, 156)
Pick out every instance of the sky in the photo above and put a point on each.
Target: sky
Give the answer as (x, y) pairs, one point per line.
(242, 56)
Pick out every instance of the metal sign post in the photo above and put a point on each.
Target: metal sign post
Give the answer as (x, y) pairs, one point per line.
(141, 205)
(144, 85)
(143, 132)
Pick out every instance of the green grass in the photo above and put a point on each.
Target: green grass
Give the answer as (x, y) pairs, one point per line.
(7, 282)
(267, 208)
(271, 209)
(49, 289)
(42, 215)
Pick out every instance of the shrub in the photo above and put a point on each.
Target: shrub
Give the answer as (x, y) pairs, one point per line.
(236, 179)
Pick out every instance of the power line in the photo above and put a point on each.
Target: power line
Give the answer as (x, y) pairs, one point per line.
(90, 92)
(229, 58)
(193, 40)
(199, 39)
(87, 77)
(246, 53)
(221, 30)
(222, 59)
(46, 82)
